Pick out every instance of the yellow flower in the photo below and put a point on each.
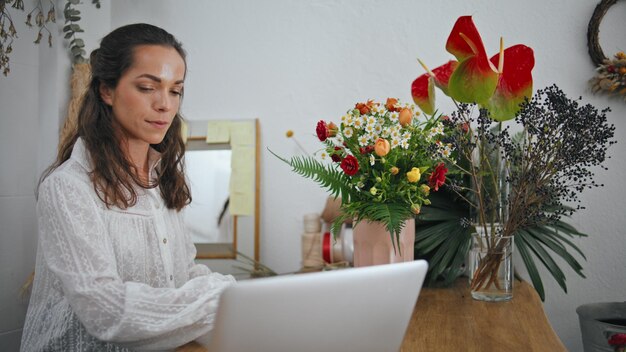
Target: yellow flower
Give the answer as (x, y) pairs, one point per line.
(413, 175)
(394, 170)
(373, 191)
(416, 209)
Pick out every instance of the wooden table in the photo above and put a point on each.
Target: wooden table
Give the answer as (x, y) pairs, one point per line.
(448, 319)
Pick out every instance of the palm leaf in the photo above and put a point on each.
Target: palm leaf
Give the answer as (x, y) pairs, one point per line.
(440, 238)
(543, 241)
(522, 248)
(539, 251)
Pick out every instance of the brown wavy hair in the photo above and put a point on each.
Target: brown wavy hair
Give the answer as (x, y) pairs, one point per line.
(114, 177)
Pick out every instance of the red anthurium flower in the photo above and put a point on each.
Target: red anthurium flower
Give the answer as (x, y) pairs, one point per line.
(475, 79)
(514, 84)
(499, 84)
(423, 88)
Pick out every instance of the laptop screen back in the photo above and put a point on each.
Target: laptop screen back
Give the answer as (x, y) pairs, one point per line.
(361, 309)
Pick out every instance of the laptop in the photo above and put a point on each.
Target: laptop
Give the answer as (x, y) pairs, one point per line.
(357, 309)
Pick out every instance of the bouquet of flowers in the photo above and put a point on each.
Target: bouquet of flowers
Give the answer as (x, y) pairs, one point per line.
(382, 160)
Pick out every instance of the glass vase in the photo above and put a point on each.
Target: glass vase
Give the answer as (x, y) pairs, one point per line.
(491, 265)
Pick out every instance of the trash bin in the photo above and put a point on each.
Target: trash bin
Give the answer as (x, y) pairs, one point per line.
(598, 322)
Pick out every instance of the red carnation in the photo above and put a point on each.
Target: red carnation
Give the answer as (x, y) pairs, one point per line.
(438, 177)
(618, 340)
(350, 165)
(336, 155)
(322, 130)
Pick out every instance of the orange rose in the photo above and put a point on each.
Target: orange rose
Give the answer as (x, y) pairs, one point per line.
(405, 117)
(382, 147)
(391, 104)
(365, 108)
(332, 129)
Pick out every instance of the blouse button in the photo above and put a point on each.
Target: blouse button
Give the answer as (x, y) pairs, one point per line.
(165, 241)
(171, 277)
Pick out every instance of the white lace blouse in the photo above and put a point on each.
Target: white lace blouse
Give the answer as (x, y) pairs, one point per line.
(113, 279)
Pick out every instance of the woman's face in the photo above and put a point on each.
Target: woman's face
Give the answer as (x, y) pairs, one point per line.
(148, 95)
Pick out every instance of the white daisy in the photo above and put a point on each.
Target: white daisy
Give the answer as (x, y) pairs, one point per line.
(372, 159)
(358, 122)
(348, 132)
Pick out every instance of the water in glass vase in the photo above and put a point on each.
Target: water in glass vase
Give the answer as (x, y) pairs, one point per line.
(491, 267)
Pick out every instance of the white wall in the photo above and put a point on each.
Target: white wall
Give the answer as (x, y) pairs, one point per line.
(18, 155)
(33, 99)
(291, 63)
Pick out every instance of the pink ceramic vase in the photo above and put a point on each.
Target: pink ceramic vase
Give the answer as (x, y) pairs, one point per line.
(372, 244)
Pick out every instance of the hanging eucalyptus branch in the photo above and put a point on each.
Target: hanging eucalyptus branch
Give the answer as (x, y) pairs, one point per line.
(72, 16)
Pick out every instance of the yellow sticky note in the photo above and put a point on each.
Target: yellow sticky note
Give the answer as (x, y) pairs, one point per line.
(242, 180)
(218, 132)
(242, 133)
(242, 158)
(240, 204)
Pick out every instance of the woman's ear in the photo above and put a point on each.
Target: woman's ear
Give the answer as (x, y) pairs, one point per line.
(106, 93)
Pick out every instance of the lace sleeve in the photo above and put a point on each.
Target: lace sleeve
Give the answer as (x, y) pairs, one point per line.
(78, 251)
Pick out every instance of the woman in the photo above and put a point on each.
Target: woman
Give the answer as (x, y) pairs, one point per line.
(115, 269)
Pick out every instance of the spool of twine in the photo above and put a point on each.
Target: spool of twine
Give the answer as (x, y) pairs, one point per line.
(312, 223)
(312, 250)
